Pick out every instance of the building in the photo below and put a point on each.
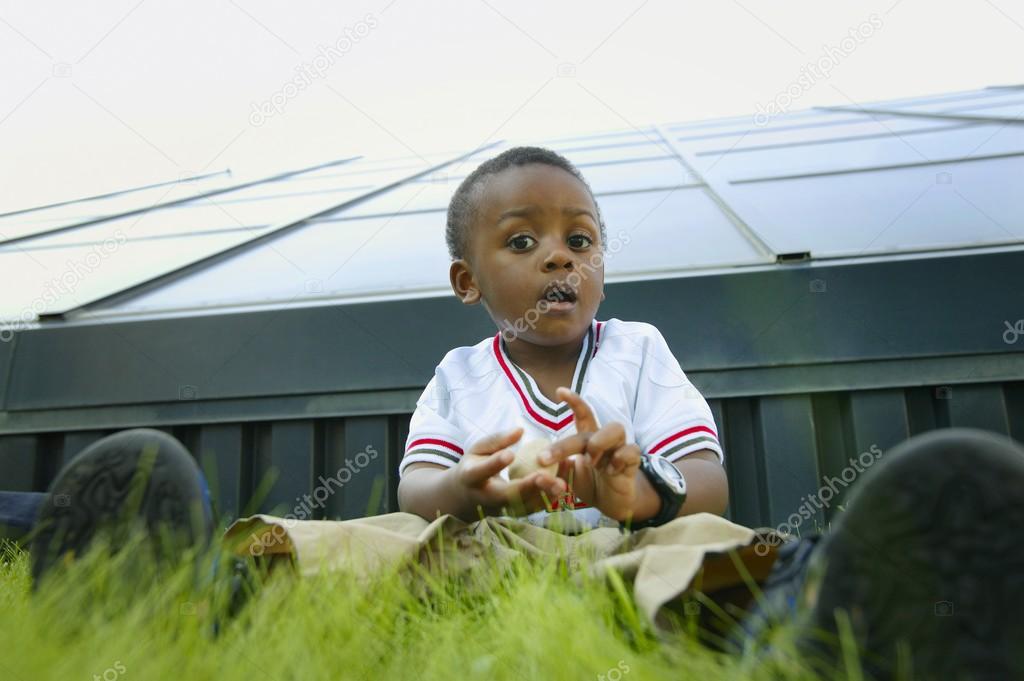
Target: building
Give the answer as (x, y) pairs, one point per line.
(833, 280)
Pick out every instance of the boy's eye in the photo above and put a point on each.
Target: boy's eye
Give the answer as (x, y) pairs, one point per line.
(586, 239)
(517, 242)
(522, 242)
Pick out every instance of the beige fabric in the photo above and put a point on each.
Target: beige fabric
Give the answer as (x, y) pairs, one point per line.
(660, 563)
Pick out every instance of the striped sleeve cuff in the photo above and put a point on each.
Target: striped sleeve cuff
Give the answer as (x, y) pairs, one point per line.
(675, 444)
(430, 450)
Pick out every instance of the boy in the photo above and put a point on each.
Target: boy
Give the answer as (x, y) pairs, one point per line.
(525, 235)
(636, 446)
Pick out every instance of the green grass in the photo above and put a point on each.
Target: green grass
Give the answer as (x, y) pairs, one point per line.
(114, 618)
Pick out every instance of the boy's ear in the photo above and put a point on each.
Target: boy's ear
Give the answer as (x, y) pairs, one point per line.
(463, 282)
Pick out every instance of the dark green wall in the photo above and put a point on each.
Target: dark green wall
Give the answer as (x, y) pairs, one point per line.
(804, 366)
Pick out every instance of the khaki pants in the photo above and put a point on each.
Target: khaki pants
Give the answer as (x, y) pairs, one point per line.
(701, 552)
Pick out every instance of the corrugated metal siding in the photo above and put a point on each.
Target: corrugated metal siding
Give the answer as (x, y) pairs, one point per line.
(779, 450)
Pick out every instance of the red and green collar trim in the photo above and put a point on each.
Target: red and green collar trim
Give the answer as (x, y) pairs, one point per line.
(543, 411)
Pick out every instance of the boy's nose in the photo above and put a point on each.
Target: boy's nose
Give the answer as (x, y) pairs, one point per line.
(559, 257)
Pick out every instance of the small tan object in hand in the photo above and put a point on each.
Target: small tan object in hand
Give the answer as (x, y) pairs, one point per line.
(526, 460)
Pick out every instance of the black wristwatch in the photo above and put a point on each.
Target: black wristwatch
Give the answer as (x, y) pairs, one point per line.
(670, 485)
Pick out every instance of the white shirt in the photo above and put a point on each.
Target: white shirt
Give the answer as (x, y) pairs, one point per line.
(625, 372)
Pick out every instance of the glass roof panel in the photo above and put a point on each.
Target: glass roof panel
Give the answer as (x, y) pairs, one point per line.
(950, 99)
(351, 175)
(602, 155)
(618, 177)
(666, 230)
(1015, 110)
(751, 127)
(621, 137)
(891, 149)
(677, 229)
(349, 257)
(411, 196)
(36, 221)
(155, 224)
(612, 177)
(584, 150)
(54, 280)
(435, 191)
(980, 104)
(776, 133)
(269, 203)
(926, 207)
(821, 137)
(204, 215)
(394, 242)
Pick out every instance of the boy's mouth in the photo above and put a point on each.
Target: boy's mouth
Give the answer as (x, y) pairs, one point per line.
(559, 295)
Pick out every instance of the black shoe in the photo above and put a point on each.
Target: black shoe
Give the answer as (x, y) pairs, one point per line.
(133, 480)
(927, 564)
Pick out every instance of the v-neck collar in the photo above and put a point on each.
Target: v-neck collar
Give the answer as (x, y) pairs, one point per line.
(551, 415)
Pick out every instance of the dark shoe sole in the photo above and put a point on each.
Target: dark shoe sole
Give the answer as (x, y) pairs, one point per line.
(927, 561)
(134, 479)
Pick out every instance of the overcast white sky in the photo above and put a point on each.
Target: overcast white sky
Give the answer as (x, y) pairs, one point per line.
(101, 96)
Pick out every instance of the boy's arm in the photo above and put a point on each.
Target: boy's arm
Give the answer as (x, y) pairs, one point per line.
(707, 487)
(428, 490)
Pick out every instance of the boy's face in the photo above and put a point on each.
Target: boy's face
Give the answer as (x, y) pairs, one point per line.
(535, 225)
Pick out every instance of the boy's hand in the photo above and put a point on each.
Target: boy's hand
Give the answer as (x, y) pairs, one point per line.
(603, 468)
(476, 477)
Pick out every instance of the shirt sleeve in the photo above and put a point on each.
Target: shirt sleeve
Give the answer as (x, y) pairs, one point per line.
(433, 436)
(671, 418)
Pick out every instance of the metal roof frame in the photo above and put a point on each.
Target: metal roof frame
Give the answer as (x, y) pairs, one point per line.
(175, 202)
(442, 209)
(108, 195)
(154, 237)
(609, 193)
(718, 192)
(829, 123)
(830, 140)
(231, 251)
(971, 118)
(870, 169)
(927, 99)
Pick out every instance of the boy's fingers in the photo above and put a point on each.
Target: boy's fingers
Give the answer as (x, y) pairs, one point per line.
(549, 484)
(582, 413)
(483, 467)
(536, 484)
(609, 439)
(563, 449)
(496, 489)
(492, 443)
(524, 487)
(625, 458)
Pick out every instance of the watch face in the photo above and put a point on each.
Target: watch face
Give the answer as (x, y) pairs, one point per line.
(670, 474)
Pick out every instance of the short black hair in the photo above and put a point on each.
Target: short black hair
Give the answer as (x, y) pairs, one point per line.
(462, 207)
